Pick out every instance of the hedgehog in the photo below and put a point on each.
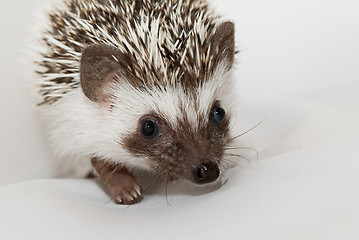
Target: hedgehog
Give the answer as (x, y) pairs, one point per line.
(137, 84)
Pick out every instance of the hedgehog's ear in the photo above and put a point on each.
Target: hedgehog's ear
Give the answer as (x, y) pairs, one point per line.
(99, 63)
(224, 43)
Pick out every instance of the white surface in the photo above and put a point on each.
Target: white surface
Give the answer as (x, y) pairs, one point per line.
(298, 68)
(306, 194)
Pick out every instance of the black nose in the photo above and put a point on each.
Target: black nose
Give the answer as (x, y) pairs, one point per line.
(206, 172)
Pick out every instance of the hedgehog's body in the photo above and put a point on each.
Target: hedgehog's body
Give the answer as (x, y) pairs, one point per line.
(137, 83)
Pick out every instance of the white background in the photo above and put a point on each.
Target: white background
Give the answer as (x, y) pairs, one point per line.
(298, 68)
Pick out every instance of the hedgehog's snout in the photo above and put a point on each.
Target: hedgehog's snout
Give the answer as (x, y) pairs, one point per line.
(206, 172)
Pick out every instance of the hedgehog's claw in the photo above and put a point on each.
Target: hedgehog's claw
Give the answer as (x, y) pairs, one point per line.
(125, 194)
(122, 185)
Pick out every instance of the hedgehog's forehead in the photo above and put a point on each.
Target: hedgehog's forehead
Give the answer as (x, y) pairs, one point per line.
(174, 104)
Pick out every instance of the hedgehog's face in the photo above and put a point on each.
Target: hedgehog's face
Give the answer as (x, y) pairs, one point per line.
(176, 133)
(177, 128)
(184, 149)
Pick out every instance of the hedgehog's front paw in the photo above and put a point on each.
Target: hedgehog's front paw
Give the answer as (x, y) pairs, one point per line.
(123, 186)
(126, 192)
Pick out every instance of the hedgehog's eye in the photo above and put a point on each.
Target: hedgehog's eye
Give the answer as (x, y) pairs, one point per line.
(218, 114)
(149, 128)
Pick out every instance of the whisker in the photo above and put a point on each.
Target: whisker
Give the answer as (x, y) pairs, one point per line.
(170, 204)
(232, 148)
(111, 199)
(227, 161)
(248, 148)
(231, 126)
(241, 134)
(156, 179)
(237, 155)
